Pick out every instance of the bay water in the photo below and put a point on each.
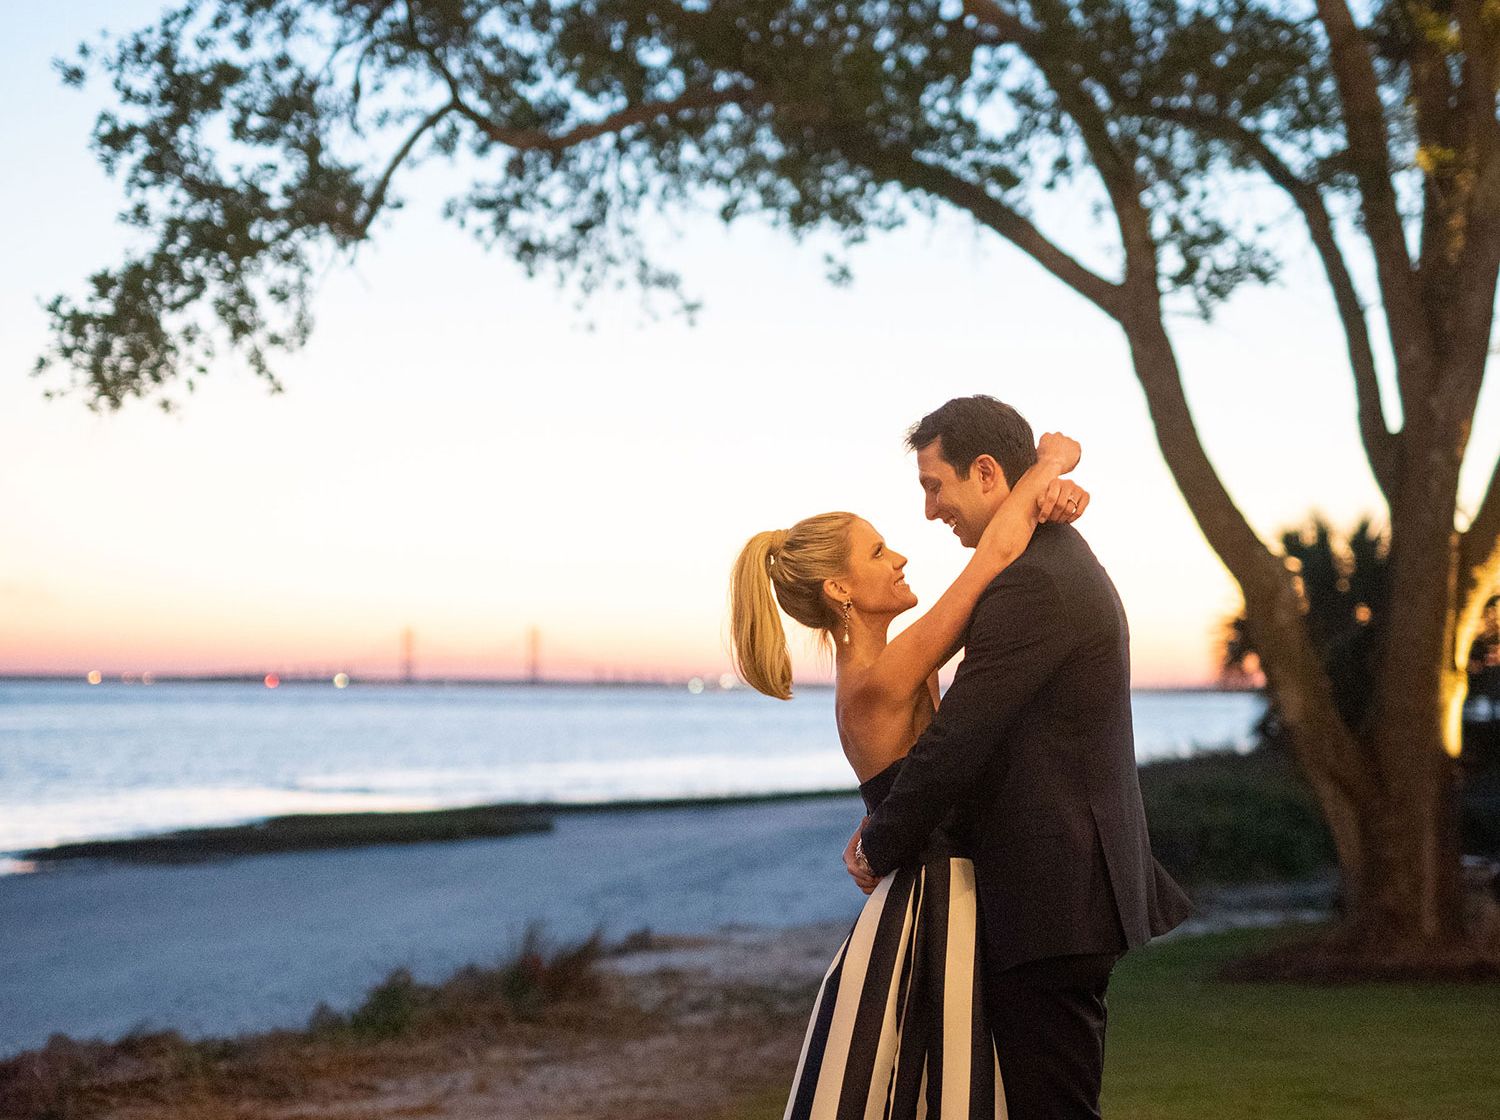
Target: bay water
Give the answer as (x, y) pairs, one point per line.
(81, 762)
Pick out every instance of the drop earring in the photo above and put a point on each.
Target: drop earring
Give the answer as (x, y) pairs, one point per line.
(848, 606)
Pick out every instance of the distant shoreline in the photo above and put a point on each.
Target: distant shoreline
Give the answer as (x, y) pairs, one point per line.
(302, 832)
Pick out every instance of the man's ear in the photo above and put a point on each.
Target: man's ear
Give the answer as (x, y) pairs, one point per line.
(989, 472)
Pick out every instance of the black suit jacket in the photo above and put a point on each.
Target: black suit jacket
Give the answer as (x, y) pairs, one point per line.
(1033, 754)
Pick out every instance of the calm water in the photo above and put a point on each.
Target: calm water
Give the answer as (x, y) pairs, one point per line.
(80, 762)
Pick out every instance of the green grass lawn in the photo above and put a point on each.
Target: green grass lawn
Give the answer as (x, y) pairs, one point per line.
(1183, 1046)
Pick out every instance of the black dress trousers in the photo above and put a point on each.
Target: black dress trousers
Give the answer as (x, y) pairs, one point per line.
(1048, 1019)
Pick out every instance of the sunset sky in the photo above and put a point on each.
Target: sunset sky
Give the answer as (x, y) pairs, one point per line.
(462, 452)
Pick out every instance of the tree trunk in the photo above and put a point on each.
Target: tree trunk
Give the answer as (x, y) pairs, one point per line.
(1388, 791)
(1404, 906)
(1395, 833)
(1411, 738)
(1413, 903)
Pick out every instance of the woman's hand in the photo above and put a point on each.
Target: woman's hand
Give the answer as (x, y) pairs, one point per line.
(1056, 449)
(854, 862)
(1063, 503)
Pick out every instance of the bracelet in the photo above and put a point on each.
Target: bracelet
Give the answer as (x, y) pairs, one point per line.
(859, 856)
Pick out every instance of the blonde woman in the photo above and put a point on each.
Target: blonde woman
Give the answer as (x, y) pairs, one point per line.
(898, 1030)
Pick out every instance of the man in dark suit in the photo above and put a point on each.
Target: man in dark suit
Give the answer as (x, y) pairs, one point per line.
(1031, 761)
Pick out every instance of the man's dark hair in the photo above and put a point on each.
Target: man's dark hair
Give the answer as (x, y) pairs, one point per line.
(973, 426)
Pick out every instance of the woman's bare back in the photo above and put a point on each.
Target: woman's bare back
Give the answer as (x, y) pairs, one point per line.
(875, 728)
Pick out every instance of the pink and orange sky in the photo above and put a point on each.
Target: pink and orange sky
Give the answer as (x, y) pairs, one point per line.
(462, 452)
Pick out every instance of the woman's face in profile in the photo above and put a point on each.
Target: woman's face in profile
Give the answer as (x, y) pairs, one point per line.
(876, 579)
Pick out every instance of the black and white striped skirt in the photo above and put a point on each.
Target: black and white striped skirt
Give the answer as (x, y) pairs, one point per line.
(898, 1029)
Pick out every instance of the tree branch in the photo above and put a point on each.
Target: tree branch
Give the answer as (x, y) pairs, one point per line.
(539, 140)
(1369, 156)
(1477, 261)
(1480, 36)
(905, 168)
(1115, 168)
(1324, 744)
(1382, 447)
(1438, 144)
(383, 184)
(535, 139)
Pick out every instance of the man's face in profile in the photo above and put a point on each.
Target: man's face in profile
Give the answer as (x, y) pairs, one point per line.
(965, 505)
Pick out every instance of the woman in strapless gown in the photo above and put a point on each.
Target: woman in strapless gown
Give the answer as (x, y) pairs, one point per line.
(897, 1030)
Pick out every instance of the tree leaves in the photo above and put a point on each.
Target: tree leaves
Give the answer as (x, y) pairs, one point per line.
(258, 139)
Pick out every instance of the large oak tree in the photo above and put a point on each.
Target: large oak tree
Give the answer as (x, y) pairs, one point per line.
(257, 138)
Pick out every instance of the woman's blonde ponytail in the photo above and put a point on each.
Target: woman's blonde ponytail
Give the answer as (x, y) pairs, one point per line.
(785, 566)
(760, 652)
